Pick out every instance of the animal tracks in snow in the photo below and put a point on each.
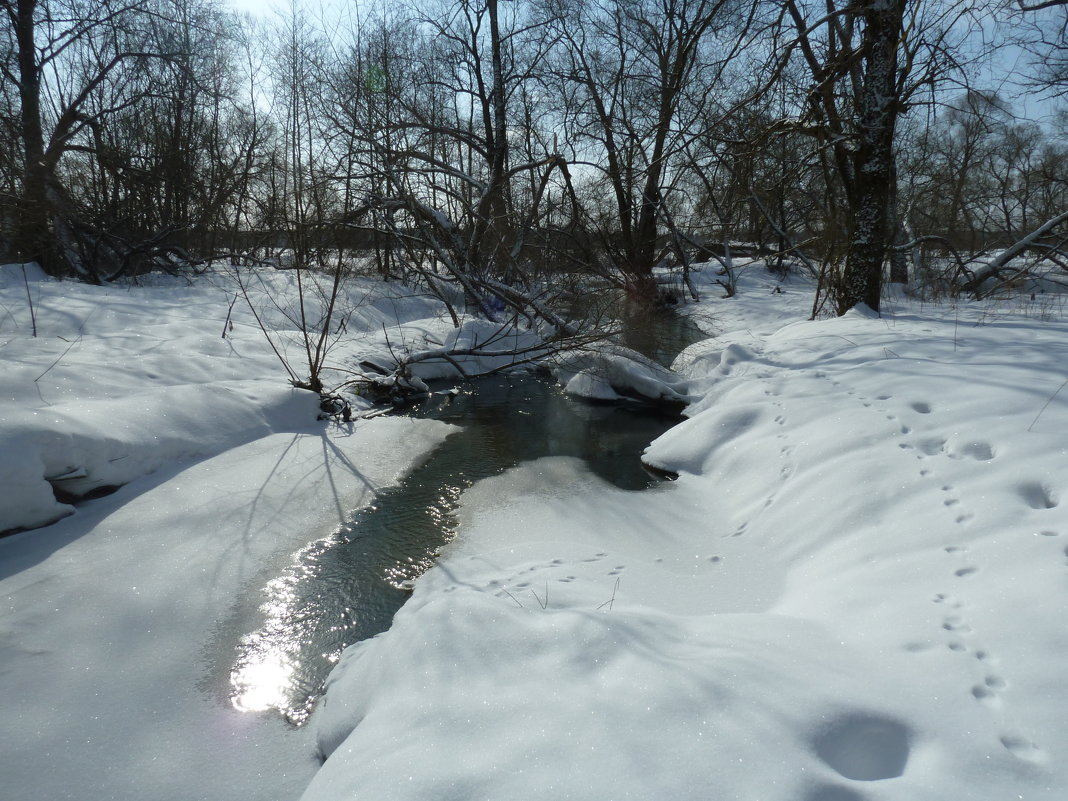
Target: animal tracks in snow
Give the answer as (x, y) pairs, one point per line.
(980, 451)
(987, 690)
(864, 747)
(954, 477)
(536, 577)
(930, 445)
(956, 625)
(583, 580)
(935, 446)
(1037, 495)
(1022, 748)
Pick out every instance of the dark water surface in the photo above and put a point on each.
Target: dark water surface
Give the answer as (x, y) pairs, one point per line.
(347, 587)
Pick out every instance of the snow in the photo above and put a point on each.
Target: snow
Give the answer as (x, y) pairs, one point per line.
(614, 373)
(113, 643)
(854, 591)
(122, 380)
(477, 347)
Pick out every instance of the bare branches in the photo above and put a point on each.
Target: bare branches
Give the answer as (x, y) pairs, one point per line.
(1040, 6)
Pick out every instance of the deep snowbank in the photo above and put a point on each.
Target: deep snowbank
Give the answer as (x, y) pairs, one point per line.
(853, 592)
(614, 373)
(91, 444)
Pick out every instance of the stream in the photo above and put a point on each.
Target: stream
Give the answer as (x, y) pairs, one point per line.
(346, 587)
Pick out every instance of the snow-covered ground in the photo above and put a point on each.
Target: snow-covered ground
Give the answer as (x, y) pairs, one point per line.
(855, 591)
(112, 662)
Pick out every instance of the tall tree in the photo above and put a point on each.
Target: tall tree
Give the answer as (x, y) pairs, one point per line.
(74, 49)
(433, 105)
(642, 72)
(866, 61)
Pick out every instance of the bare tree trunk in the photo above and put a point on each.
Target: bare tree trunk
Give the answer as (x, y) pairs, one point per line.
(899, 264)
(33, 237)
(873, 162)
(492, 213)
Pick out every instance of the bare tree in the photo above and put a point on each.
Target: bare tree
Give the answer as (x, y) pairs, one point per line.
(641, 73)
(72, 49)
(866, 63)
(431, 107)
(1041, 28)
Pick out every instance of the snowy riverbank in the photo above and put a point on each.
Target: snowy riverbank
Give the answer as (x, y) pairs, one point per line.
(113, 640)
(855, 590)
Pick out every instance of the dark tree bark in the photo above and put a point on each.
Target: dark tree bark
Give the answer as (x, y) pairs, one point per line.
(33, 230)
(873, 158)
(491, 238)
(864, 69)
(89, 98)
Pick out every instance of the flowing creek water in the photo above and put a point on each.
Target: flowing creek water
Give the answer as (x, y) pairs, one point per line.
(347, 587)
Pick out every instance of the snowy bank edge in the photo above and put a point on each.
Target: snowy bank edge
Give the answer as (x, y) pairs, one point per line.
(108, 443)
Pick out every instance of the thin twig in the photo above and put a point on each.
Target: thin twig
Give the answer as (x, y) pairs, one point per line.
(252, 308)
(58, 359)
(1049, 400)
(29, 299)
(228, 325)
(611, 601)
(512, 597)
(81, 333)
(543, 604)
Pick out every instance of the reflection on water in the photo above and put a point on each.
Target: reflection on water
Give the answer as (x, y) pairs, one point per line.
(347, 587)
(264, 675)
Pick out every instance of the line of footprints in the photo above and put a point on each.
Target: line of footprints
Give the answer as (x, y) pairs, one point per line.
(959, 635)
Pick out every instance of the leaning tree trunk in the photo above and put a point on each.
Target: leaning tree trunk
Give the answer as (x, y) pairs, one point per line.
(873, 161)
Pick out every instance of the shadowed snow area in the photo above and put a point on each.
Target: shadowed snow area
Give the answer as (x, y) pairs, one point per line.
(865, 747)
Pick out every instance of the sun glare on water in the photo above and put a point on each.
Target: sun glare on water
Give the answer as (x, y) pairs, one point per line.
(262, 684)
(264, 675)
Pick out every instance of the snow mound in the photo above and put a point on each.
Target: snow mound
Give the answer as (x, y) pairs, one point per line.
(618, 373)
(81, 448)
(18, 275)
(432, 349)
(706, 702)
(121, 619)
(103, 384)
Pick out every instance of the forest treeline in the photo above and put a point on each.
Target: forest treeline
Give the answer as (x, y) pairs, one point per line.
(497, 143)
